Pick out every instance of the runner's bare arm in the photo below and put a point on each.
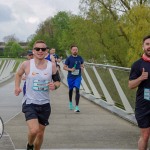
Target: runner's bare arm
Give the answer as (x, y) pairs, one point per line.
(82, 66)
(52, 58)
(68, 69)
(136, 82)
(18, 78)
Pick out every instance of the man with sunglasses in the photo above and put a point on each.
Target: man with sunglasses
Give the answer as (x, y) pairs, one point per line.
(41, 77)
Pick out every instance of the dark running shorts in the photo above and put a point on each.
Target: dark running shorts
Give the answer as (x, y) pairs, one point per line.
(144, 122)
(40, 112)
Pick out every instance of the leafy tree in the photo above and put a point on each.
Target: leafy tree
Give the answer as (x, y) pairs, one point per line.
(136, 25)
(51, 31)
(12, 49)
(116, 16)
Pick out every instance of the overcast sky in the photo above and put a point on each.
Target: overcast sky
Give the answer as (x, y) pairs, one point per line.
(22, 17)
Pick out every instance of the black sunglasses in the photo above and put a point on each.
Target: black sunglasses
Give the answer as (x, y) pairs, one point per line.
(38, 49)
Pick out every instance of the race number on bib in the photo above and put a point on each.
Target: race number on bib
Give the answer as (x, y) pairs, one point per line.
(40, 85)
(76, 72)
(147, 94)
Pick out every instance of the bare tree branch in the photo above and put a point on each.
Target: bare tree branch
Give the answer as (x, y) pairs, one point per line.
(126, 4)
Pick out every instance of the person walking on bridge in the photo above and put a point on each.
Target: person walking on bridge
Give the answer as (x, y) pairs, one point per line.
(74, 65)
(140, 77)
(41, 77)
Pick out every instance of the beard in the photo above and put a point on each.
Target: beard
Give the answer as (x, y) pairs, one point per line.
(147, 52)
(75, 54)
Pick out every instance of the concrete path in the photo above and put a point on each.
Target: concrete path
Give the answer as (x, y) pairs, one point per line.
(93, 128)
(10, 105)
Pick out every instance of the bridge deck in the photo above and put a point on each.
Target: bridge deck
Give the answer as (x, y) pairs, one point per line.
(93, 128)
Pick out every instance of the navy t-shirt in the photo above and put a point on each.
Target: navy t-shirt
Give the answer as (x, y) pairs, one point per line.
(48, 57)
(56, 56)
(72, 61)
(142, 103)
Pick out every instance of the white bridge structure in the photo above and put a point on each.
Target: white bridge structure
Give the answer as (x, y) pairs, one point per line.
(107, 86)
(104, 85)
(7, 67)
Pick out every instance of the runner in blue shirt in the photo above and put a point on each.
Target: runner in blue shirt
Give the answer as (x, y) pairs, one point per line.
(57, 59)
(74, 65)
(49, 56)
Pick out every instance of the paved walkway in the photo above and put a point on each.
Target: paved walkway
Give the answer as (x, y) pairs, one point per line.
(93, 128)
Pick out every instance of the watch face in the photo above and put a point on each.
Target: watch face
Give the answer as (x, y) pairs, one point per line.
(1, 127)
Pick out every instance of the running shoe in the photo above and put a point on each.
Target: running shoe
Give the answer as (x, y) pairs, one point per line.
(71, 106)
(30, 147)
(76, 109)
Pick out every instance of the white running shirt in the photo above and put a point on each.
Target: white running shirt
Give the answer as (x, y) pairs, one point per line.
(37, 89)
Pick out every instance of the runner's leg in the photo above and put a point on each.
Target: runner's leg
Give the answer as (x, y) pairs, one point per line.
(33, 127)
(77, 97)
(143, 141)
(39, 137)
(70, 94)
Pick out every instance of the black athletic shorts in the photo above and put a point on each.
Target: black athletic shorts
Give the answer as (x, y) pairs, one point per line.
(40, 112)
(144, 122)
(142, 115)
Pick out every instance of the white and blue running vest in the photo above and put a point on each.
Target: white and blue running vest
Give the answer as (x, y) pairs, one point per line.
(37, 89)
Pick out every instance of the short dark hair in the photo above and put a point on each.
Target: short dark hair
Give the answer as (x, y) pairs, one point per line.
(39, 41)
(73, 46)
(146, 37)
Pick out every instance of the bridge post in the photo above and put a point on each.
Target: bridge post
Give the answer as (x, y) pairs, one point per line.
(123, 97)
(94, 90)
(103, 87)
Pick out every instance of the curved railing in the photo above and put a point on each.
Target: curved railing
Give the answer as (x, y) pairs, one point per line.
(107, 86)
(7, 69)
(104, 85)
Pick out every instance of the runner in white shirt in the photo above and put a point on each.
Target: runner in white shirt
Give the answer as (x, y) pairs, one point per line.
(41, 77)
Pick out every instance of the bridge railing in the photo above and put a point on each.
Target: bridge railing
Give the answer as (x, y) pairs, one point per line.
(107, 86)
(104, 85)
(7, 67)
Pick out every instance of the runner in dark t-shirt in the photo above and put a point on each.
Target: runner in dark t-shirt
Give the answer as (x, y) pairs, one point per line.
(73, 65)
(141, 102)
(140, 78)
(76, 62)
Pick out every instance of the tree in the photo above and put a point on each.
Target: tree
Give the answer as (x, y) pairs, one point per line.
(10, 38)
(125, 17)
(12, 49)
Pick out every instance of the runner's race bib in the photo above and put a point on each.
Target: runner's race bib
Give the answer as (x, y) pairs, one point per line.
(40, 85)
(76, 72)
(147, 94)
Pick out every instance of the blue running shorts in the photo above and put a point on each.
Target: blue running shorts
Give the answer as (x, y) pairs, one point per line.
(74, 82)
